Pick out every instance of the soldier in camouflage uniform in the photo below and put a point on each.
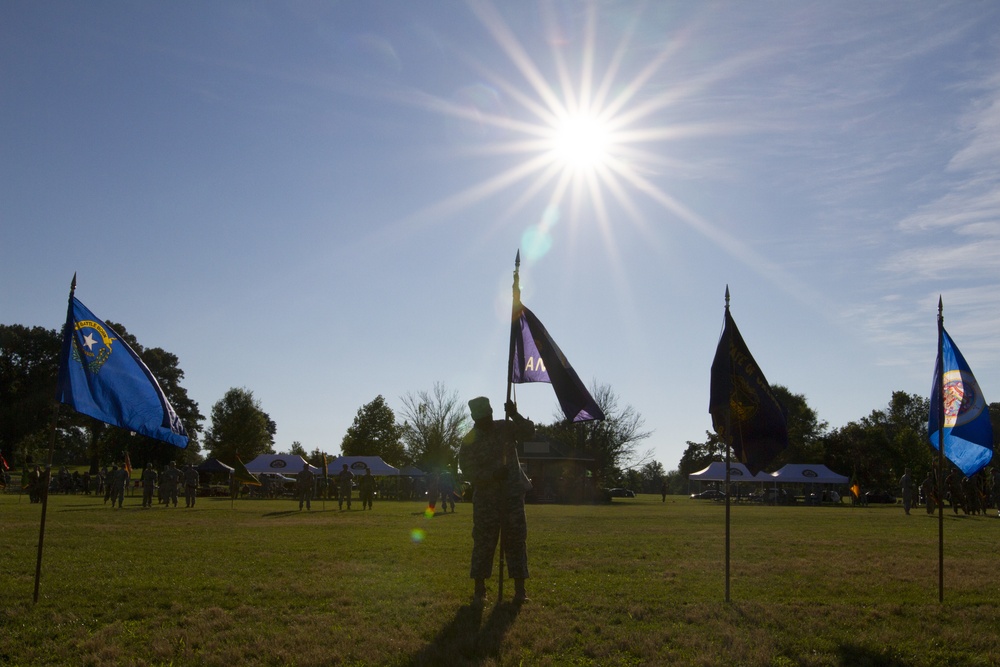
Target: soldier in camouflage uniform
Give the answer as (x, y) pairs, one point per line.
(366, 489)
(488, 457)
(148, 479)
(345, 481)
(119, 481)
(304, 482)
(190, 485)
(169, 480)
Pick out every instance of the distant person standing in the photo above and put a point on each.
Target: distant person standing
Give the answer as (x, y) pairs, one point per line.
(488, 457)
(169, 481)
(190, 485)
(906, 488)
(148, 479)
(366, 489)
(929, 493)
(345, 480)
(663, 491)
(995, 475)
(304, 482)
(433, 491)
(447, 486)
(119, 480)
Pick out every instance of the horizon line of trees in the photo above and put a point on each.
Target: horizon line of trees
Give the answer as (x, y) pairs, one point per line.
(429, 434)
(872, 450)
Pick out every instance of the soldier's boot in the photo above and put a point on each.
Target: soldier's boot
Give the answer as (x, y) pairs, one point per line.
(520, 597)
(479, 594)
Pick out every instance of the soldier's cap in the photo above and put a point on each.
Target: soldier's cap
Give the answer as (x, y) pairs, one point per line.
(480, 408)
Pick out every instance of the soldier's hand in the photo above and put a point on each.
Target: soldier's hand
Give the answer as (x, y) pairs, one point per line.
(510, 409)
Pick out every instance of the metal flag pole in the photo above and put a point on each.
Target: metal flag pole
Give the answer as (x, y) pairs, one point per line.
(727, 443)
(48, 466)
(515, 316)
(940, 409)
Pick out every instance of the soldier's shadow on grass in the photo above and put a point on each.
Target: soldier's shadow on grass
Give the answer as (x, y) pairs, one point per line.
(853, 654)
(468, 639)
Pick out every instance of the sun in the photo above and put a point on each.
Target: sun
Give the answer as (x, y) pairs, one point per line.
(581, 142)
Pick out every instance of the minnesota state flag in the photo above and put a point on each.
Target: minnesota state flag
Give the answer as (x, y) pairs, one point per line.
(968, 435)
(102, 377)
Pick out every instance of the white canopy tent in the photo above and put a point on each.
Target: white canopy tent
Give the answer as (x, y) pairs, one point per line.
(285, 464)
(359, 464)
(716, 472)
(807, 473)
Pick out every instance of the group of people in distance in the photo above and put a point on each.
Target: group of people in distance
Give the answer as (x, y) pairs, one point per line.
(973, 495)
(305, 485)
(488, 459)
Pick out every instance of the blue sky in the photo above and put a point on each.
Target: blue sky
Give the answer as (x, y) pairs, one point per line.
(322, 201)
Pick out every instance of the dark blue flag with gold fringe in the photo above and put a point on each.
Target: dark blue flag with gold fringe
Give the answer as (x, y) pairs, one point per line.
(102, 377)
(968, 434)
(745, 412)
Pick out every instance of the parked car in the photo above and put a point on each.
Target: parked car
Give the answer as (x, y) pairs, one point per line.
(621, 493)
(881, 497)
(710, 494)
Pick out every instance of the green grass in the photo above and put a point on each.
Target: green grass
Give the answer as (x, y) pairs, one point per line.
(637, 582)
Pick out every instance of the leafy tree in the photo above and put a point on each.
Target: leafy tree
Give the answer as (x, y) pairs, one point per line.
(875, 449)
(240, 428)
(29, 364)
(109, 445)
(613, 444)
(699, 455)
(375, 433)
(651, 476)
(805, 430)
(297, 449)
(435, 423)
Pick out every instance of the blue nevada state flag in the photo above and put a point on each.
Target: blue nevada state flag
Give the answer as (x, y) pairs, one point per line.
(537, 358)
(968, 435)
(102, 377)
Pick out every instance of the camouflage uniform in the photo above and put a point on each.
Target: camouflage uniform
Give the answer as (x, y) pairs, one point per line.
(366, 489)
(498, 494)
(447, 486)
(190, 485)
(148, 479)
(344, 481)
(169, 480)
(304, 485)
(119, 480)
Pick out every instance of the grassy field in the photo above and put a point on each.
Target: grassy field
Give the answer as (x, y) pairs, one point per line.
(637, 582)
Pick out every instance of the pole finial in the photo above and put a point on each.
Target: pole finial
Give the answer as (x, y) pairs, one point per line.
(727, 296)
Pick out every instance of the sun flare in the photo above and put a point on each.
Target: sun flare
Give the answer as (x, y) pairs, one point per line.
(581, 142)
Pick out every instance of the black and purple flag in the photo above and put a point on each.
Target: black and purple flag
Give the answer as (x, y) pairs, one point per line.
(744, 411)
(537, 358)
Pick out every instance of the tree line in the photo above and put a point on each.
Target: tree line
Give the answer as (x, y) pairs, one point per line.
(426, 433)
(428, 429)
(872, 451)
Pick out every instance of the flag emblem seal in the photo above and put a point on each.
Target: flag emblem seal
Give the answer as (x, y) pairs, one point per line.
(963, 401)
(84, 351)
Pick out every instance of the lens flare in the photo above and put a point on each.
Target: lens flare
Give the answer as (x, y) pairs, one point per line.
(417, 536)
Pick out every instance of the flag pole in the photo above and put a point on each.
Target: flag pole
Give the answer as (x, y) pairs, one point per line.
(728, 455)
(514, 318)
(48, 467)
(940, 409)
